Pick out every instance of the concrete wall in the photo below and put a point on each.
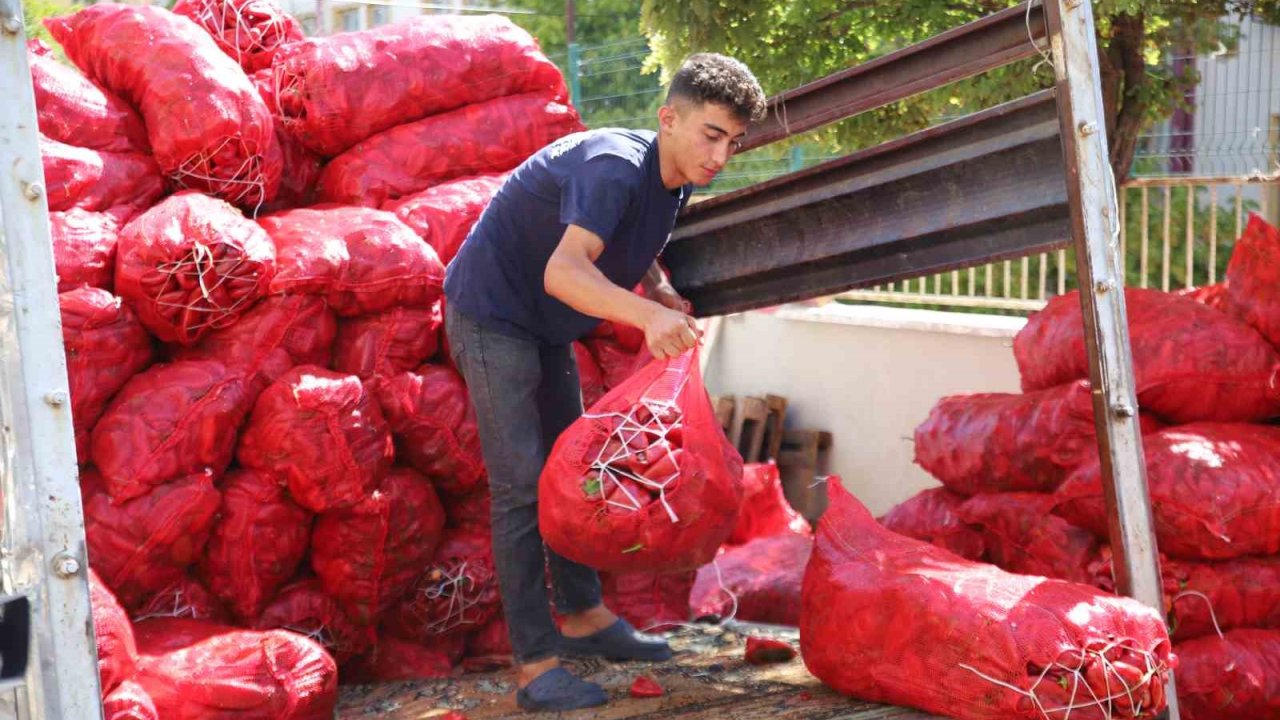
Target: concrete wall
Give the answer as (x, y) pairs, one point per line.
(868, 375)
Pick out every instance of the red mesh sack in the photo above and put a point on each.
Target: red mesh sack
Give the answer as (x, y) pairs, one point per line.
(1205, 597)
(1191, 362)
(397, 660)
(590, 379)
(368, 557)
(129, 702)
(1230, 678)
(192, 264)
(186, 598)
(765, 510)
(98, 180)
(933, 516)
(1021, 535)
(362, 260)
(299, 173)
(387, 343)
(276, 335)
(143, 545)
(304, 608)
(249, 31)
(616, 363)
(113, 633)
(73, 109)
(470, 511)
(1252, 280)
(84, 246)
(256, 546)
(105, 346)
(336, 91)
(1214, 488)
(169, 421)
(489, 648)
(207, 126)
(444, 215)
(457, 594)
(435, 427)
(645, 482)
(755, 582)
(996, 442)
(889, 619)
(323, 433)
(649, 601)
(488, 137)
(196, 670)
(1216, 296)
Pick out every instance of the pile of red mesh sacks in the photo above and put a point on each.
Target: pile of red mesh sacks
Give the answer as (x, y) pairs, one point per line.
(1022, 480)
(281, 473)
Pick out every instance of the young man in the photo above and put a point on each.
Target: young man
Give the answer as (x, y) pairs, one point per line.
(559, 248)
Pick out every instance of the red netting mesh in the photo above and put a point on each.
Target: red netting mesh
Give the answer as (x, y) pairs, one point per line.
(1191, 362)
(191, 265)
(933, 516)
(457, 594)
(195, 670)
(185, 598)
(758, 581)
(397, 660)
(129, 702)
(84, 246)
(649, 601)
(489, 137)
(303, 607)
(1214, 488)
(361, 260)
(98, 180)
(645, 481)
(206, 124)
(113, 634)
(105, 346)
(765, 510)
(249, 31)
(336, 91)
(444, 214)
(73, 109)
(321, 432)
(169, 421)
(590, 379)
(1022, 535)
(434, 426)
(387, 343)
(367, 557)
(256, 546)
(1253, 286)
(142, 546)
(893, 620)
(1230, 678)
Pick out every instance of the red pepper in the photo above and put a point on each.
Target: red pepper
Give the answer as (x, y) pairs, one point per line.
(762, 651)
(646, 687)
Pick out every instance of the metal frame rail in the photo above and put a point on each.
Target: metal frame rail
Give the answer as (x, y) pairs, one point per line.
(43, 563)
(1028, 176)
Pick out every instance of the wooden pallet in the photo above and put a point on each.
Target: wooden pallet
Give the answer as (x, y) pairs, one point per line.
(752, 424)
(804, 460)
(707, 680)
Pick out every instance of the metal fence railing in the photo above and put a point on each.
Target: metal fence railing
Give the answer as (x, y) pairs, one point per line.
(1175, 234)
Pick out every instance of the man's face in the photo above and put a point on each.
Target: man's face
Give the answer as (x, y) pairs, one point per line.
(703, 137)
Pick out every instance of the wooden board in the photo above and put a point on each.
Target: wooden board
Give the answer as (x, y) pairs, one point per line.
(707, 680)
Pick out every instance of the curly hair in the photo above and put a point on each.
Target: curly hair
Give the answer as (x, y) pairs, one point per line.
(709, 77)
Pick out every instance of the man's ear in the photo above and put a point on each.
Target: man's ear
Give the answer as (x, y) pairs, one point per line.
(666, 117)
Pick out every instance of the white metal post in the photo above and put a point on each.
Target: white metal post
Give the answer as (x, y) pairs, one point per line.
(1092, 195)
(42, 555)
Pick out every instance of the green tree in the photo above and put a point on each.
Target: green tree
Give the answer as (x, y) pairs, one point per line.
(35, 11)
(790, 42)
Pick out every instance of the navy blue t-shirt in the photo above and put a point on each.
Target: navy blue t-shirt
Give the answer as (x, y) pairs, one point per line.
(607, 181)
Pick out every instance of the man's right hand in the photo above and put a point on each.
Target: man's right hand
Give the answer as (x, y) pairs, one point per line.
(669, 333)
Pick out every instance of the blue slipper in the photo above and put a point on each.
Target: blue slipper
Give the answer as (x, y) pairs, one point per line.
(558, 690)
(619, 641)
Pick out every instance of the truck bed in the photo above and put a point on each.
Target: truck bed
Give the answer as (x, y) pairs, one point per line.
(707, 680)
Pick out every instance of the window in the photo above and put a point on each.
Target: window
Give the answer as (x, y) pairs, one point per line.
(379, 15)
(308, 24)
(348, 20)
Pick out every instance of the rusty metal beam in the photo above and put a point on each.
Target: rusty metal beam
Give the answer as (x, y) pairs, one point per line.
(962, 52)
(987, 186)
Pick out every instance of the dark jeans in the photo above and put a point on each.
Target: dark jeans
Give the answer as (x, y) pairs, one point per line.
(524, 394)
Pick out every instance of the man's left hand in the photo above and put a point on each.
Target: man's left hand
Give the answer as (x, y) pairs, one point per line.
(667, 296)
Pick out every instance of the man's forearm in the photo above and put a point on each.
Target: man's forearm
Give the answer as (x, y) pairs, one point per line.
(582, 286)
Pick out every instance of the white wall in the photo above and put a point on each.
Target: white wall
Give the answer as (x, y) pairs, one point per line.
(868, 375)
